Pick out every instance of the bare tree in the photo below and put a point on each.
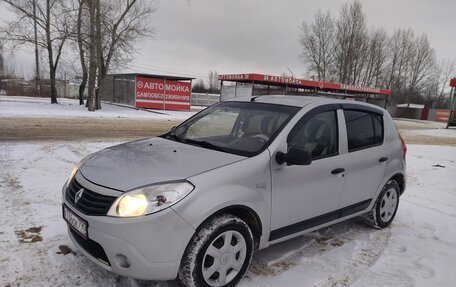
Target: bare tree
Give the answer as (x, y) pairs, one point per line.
(446, 69)
(401, 45)
(421, 63)
(53, 30)
(80, 39)
(2, 67)
(120, 25)
(435, 87)
(213, 82)
(317, 44)
(403, 62)
(2, 63)
(350, 38)
(375, 58)
(92, 75)
(113, 31)
(199, 86)
(411, 63)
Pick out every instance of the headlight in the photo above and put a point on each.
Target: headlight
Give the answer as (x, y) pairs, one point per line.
(73, 172)
(149, 199)
(76, 168)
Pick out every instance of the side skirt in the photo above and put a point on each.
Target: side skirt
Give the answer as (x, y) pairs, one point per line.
(318, 220)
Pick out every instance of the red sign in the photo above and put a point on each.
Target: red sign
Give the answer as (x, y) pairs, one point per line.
(299, 83)
(453, 82)
(152, 93)
(442, 115)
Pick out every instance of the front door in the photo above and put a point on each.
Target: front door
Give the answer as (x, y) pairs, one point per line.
(307, 196)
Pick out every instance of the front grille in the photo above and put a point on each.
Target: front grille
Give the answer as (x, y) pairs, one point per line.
(90, 203)
(92, 247)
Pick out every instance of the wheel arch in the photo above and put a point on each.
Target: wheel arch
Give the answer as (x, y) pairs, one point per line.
(400, 180)
(247, 214)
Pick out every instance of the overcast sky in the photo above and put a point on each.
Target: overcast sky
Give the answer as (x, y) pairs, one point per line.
(242, 36)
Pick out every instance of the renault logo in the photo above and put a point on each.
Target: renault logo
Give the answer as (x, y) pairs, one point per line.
(78, 195)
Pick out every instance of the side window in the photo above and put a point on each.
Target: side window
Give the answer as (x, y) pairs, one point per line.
(364, 129)
(318, 135)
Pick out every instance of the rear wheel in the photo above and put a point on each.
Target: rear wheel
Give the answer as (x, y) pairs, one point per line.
(219, 254)
(385, 207)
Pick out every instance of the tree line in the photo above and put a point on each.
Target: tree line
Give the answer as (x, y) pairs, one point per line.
(211, 85)
(93, 36)
(343, 49)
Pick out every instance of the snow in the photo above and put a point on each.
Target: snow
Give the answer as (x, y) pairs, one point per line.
(445, 133)
(412, 123)
(419, 249)
(70, 108)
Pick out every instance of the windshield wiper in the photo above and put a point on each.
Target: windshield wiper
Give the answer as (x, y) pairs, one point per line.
(173, 136)
(206, 144)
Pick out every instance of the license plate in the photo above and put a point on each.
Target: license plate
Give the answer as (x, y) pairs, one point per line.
(75, 222)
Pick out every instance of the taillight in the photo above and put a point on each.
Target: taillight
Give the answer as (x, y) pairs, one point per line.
(404, 147)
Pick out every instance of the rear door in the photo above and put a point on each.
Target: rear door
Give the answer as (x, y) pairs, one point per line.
(305, 196)
(366, 158)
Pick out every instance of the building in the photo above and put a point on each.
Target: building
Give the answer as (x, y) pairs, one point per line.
(258, 84)
(148, 91)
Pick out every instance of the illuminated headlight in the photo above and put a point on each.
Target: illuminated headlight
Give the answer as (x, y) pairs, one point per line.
(73, 173)
(149, 199)
(78, 166)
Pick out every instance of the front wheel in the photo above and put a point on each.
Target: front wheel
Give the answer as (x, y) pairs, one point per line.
(218, 254)
(385, 207)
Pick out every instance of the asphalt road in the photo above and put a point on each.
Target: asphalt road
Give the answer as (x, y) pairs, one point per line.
(37, 128)
(41, 128)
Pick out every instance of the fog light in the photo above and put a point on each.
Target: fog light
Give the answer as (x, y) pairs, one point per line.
(122, 261)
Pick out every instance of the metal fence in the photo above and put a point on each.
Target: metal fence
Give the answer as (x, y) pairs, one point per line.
(120, 90)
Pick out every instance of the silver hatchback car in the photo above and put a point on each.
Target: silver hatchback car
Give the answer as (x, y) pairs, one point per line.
(196, 202)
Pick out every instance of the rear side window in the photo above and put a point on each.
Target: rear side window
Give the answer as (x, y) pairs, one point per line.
(364, 129)
(378, 128)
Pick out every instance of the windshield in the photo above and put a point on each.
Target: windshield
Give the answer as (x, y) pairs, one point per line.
(243, 128)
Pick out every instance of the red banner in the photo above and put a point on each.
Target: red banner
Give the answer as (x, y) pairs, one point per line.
(152, 93)
(453, 82)
(300, 83)
(442, 115)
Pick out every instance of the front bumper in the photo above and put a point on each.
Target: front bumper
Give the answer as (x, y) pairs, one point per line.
(148, 248)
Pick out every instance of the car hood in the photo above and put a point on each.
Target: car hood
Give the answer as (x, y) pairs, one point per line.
(136, 164)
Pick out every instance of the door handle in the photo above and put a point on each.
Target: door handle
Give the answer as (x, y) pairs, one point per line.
(382, 159)
(337, 170)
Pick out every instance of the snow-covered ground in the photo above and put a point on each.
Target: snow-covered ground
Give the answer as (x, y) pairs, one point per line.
(442, 133)
(419, 249)
(70, 108)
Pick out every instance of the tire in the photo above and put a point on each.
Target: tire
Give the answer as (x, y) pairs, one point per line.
(208, 255)
(385, 207)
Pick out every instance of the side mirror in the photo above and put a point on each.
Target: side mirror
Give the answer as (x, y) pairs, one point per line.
(295, 156)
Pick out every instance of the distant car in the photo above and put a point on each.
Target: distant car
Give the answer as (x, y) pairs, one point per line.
(195, 203)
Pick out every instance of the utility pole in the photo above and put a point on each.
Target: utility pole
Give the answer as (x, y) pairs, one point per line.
(37, 61)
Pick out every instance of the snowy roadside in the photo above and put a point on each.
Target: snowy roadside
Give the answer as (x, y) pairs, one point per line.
(419, 249)
(70, 108)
